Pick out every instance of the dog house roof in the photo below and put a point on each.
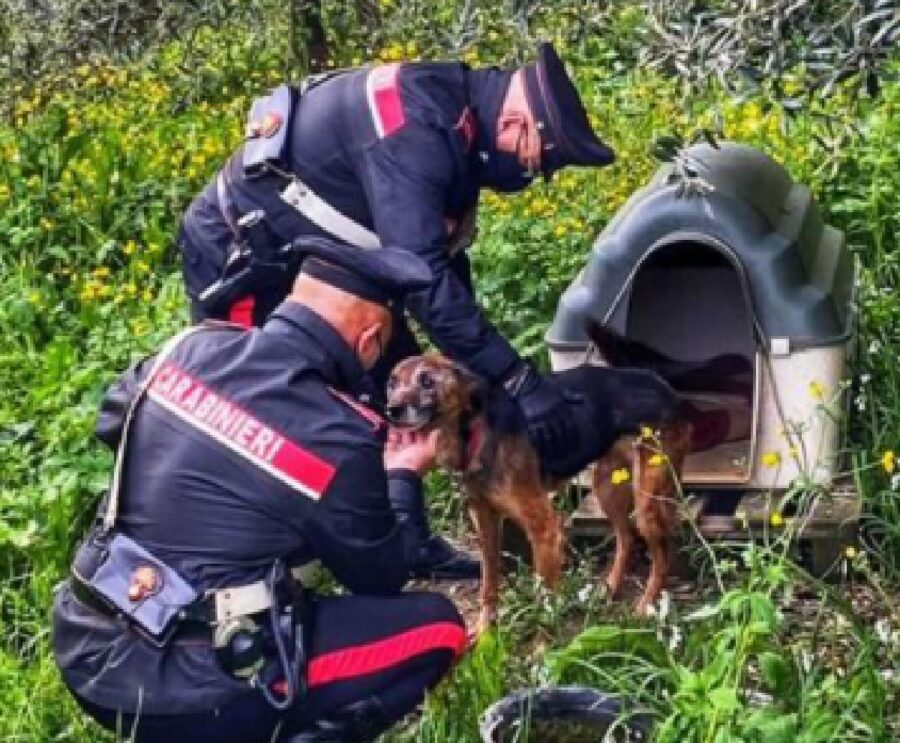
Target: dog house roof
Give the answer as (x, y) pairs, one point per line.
(797, 271)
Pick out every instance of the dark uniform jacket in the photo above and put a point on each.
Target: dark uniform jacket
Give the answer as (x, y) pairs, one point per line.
(241, 452)
(394, 149)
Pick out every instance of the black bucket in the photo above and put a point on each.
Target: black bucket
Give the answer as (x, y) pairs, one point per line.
(562, 714)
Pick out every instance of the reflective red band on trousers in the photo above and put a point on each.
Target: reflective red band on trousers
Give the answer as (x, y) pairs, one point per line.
(241, 312)
(382, 654)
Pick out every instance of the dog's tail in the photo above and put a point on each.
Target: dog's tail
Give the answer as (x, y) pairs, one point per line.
(624, 352)
(725, 373)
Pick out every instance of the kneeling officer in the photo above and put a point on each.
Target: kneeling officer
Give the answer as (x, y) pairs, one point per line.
(242, 454)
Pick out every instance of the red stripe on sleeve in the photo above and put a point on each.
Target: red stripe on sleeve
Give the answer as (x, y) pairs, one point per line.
(241, 312)
(382, 654)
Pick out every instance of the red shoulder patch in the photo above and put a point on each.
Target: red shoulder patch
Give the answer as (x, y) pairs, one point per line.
(383, 94)
(466, 127)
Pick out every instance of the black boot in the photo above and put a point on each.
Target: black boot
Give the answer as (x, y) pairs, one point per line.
(357, 723)
(428, 555)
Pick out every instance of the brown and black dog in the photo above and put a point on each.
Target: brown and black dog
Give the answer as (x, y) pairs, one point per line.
(482, 437)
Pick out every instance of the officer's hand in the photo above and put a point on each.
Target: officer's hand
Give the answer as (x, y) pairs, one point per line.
(551, 424)
(411, 449)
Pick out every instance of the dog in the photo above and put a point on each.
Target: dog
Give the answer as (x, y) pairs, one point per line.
(482, 437)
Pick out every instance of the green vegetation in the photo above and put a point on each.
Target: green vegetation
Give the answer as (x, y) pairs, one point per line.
(97, 161)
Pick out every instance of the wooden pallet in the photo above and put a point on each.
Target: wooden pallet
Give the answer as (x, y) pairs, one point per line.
(830, 522)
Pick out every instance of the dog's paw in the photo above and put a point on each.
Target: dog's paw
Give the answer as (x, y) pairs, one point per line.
(658, 606)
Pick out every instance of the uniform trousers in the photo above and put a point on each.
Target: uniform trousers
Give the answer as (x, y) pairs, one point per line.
(384, 651)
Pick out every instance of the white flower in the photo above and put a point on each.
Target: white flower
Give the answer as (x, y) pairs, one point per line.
(584, 592)
(865, 378)
(895, 481)
(883, 630)
(806, 660)
(875, 346)
(665, 606)
(675, 638)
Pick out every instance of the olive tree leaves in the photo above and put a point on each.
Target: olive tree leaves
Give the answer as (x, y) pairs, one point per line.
(745, 44)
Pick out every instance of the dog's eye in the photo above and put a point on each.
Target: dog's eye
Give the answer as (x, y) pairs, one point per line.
(391, 384)
(426, 381)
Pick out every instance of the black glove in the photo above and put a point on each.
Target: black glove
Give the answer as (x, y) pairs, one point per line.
(551, 425)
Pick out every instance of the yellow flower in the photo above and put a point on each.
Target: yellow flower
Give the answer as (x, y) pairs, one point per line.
(101, 272)
(771, 459)
(147, 296)
(560, 230)
(143, 266)
(889, 461)
(817, 390)
(646, 432)
(620, 475)
(129, 247)
(657, 459)
(776, 519)
(34, 297)
(130, 289)
(850, 552)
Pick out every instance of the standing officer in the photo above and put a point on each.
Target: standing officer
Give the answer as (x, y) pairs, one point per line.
(241, 454)
(395, 154)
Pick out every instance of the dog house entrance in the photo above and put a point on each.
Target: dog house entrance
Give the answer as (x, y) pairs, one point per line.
(689, 302)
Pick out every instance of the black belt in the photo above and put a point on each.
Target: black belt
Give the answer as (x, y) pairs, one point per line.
(192, 627)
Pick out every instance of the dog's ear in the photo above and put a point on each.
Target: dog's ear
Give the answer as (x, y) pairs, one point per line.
(473, 385)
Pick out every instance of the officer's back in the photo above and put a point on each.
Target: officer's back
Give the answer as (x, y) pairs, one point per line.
(246, 448)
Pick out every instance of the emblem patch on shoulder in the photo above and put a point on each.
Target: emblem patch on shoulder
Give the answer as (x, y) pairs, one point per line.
(267, 127)
(144, 582)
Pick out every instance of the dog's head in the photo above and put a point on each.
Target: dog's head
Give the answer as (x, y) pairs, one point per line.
(426, 391)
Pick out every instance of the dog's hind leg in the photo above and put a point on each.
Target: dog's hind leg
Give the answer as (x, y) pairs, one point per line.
(659, 547)
(615, 499)
(655, 493)
(487, 528)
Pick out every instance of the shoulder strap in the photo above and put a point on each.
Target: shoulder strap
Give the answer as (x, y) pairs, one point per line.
(364, 410)
(112, 502)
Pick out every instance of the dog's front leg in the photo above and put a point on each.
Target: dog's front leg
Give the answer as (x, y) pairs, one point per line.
(487, 529)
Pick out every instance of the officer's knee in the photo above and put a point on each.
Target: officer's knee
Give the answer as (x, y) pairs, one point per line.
(433, 608)
(439, 612)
